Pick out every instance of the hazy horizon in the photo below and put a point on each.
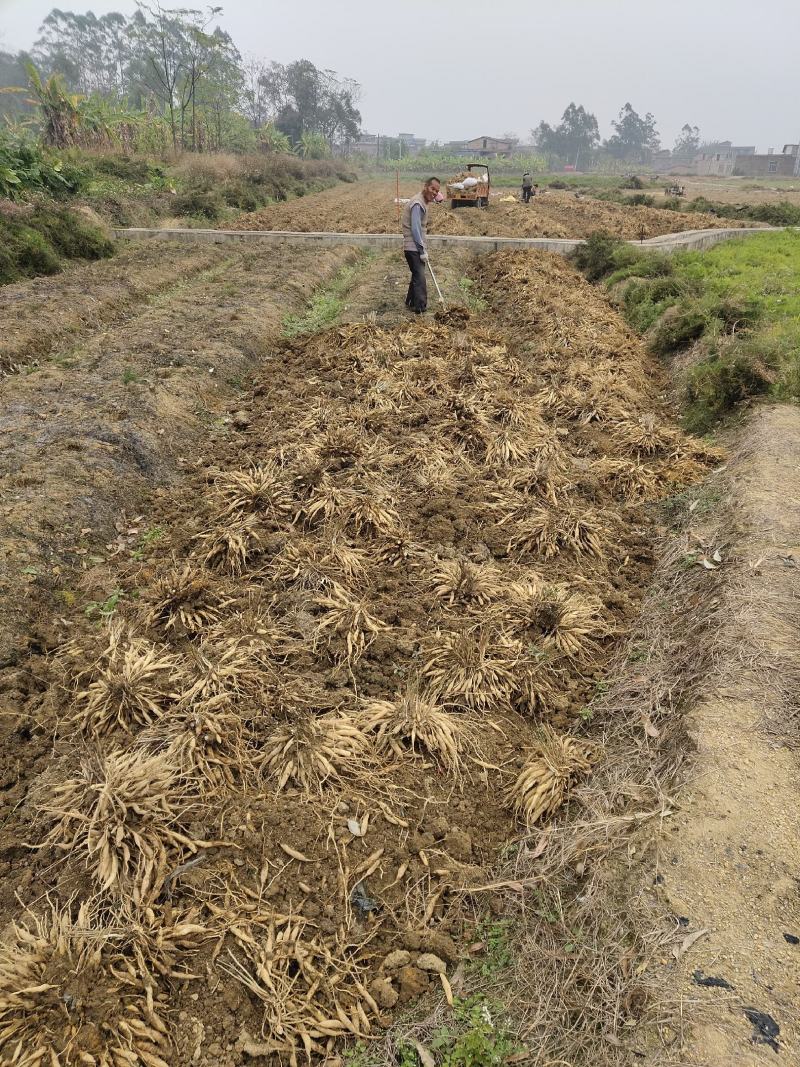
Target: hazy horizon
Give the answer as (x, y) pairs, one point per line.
(431, 70)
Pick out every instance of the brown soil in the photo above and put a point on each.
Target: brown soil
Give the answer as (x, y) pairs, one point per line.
(90, 432)
(407, 479)
(51, 314)
(368, 207)
(740, 190)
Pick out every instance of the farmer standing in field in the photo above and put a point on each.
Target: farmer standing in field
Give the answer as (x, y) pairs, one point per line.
(527, 186)
(415, 243)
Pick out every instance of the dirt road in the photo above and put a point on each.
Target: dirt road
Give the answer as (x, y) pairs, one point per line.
(728, 866)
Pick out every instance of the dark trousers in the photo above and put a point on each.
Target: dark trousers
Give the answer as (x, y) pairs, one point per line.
(417, 295)
(526, 193)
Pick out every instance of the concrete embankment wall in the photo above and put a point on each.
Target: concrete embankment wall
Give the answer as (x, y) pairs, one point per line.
(672, 242)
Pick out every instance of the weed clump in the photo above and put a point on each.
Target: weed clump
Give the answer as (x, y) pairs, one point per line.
(677, 329)
(597, 257)
(202, 203)
(718, 384)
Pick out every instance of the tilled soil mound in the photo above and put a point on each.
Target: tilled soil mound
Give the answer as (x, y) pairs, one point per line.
(283, 770)
(369, 207)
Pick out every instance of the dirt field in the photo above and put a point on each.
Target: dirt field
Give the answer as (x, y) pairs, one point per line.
(368, 207)
(314, 684)
(741, 190)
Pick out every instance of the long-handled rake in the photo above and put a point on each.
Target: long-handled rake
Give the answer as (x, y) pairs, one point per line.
(438, 290)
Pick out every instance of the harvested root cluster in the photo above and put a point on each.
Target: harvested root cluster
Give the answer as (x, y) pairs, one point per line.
(130, 684)
(414, 570)
(413, 722)
(312, 993)
(119, 813)
(314, 750)
(66, 998)
(556, 762)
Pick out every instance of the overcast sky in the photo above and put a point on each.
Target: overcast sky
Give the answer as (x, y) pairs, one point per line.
(452, 69)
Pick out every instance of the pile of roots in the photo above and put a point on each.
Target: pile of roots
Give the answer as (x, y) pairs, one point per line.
(370, 208)
(355, 672)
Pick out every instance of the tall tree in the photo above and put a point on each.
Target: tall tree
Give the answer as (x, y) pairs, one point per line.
(686, 143)
(308, 100)
(635, 138)
(91, 54)
(255, 94)
(576, 135)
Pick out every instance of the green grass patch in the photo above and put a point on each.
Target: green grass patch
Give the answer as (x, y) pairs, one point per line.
(782, 213)
(473, 300)
(741, 299)
(327, 304)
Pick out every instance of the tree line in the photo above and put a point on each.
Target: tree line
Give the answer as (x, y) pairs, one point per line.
(635, 138)
(175, 70)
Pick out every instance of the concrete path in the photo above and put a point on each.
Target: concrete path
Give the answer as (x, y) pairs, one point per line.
(690, 239)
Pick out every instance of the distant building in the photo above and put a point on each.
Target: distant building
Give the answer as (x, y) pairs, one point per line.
(481, 147)
(412, 146)
(720, 158)
(370, 145)
(367, 145)
(780, 164)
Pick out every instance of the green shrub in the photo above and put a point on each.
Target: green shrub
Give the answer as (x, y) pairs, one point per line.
(246, 196)
(677, 328)
(640, 200)
(127, 168)
(718, 384)
(25, 167)
(735, 311)
(671, 203)
(558, 184)
(633, 181)
(596, 257)
(781, 214)
(33, 242)
(200, 202)
(70, 234)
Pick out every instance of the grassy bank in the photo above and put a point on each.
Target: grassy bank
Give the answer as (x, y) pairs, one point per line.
(738, 304)
(134, 190)
(39, 239)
